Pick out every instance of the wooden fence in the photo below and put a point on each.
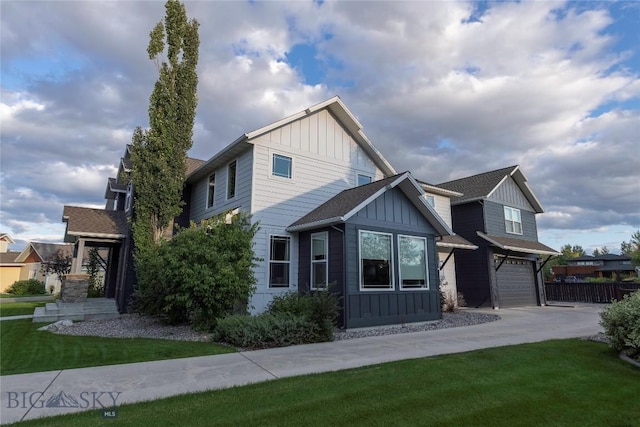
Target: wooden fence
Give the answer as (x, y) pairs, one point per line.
(588, 292)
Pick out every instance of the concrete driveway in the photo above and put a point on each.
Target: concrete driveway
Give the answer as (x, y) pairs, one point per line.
(29, 396)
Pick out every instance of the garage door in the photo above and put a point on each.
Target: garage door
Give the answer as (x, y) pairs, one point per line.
(516, 283)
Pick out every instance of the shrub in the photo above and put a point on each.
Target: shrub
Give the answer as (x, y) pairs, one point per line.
(27, 287)
(621, 322)
(451, 301)
(319, 307)
(265, 330)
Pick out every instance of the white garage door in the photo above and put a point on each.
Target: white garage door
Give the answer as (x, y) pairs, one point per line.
(516, 283)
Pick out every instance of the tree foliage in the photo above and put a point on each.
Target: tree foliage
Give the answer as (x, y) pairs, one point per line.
(568, 252)
(59, 264)
(632, 248)
(206, 272)
(601, 251)
(158, 154)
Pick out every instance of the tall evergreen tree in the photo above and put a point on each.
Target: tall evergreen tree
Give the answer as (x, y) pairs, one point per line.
(158, 154)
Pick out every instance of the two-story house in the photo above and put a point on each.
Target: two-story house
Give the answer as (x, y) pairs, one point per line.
(497, 213)
(332, 213)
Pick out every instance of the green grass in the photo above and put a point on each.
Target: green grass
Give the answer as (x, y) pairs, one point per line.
(25, 349)
(555, 383)
(18, 308)
(23, 296)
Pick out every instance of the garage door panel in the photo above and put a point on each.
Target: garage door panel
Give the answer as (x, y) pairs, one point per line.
(516, 284)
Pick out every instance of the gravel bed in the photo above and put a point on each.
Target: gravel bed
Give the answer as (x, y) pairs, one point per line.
(138, 326)
(449, 320)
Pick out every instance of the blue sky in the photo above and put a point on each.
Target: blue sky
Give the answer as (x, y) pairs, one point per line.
(444, 89)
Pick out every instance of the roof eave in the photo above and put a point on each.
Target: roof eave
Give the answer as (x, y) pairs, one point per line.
(316, 224)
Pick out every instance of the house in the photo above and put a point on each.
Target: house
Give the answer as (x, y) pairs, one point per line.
(32, 257)
(10, 270)
(331, 209)
(608, 265)
(497, 212)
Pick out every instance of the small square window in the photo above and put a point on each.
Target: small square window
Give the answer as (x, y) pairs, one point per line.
(363, 179)
(430, 200)
(281, 166)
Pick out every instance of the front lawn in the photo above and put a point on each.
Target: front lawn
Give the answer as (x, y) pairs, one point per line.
(18, 308)
(554, 383)
(25, 349)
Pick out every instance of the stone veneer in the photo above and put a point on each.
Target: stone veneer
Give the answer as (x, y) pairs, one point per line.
(74, 288)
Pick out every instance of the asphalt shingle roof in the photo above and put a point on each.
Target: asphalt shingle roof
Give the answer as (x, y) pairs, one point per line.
(520, 245)
(476, 186)
(8, 257)
(94, 221)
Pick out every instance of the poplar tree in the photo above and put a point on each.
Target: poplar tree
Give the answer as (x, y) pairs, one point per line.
(158, 154)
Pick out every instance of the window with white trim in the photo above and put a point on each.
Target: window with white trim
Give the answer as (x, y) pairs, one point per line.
(279, 261)
(281, 166)
(512, 220)
(231, 180)
(211, 190)
(319, 261)
(430, 200)
(412, 257)
(376, 260)
(128, 198)
(364, 179)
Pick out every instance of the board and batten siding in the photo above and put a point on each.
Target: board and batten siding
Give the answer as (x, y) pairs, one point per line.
(325, 161)
(509, 193)
(242, 199)
(495, 222)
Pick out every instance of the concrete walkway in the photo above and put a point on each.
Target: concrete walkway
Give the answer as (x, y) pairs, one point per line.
(29, 396)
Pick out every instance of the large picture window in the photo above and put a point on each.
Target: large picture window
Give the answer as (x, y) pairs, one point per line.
(279, 261)
(412, 257)
(211, 191)
(376, 261)
(319, 262)
(513, 222)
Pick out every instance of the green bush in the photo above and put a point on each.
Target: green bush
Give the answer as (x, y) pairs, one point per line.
(621, 322)
(27, 287)
(319, 307)
(265, 330)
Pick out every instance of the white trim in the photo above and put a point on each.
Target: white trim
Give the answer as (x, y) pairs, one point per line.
(324, 235)
(273, 155)
(288, 262)
(365, 175)
(426, 264)
(391, 263)
(105, 236)
(513, 221)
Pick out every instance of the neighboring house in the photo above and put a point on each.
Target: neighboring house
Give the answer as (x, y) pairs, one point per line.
(440, 200)
(10, 270)
(497, 213)
(32, 257)
(332, 212)
(607, 265)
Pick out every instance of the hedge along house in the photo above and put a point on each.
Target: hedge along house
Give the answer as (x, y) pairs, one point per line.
(377, 245)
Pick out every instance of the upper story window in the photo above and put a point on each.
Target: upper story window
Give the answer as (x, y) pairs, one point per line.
(279, 261)
(363, 179)
(512, 220)
(231, 180)
(128, 200)
(430, 200)
(319, 261)
(281, 166)
(211, 191)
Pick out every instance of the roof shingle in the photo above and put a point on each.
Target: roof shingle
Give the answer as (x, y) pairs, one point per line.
(477, 186)
(87, 221)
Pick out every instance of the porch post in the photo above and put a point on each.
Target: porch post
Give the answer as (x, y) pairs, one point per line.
(78, 255)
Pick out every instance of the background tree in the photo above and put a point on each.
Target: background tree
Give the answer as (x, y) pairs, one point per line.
(158, 154)
(59, 264)
(632, 248)
(600, 251)
(568, 252)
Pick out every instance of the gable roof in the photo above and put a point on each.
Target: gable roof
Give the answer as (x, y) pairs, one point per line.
(87, 222)
(10, 258)
(349, 202)
(434, 189)
(44, 251)
(334, 105)
(481, 186)
(6, 237)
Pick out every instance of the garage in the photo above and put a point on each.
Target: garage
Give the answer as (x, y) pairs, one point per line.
(516, 283)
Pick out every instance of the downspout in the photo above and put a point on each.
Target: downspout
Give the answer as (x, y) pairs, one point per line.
(344, 276)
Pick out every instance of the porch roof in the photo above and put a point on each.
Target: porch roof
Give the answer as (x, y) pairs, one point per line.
(454, 242)
(518, 245)
(96, 223)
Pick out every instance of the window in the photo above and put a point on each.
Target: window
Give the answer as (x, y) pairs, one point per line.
(363, 179)
(319, 262)
(512, 220)
(430, 200)
(281, 166)
(279, 260)
(129, 196)
(211, 191)
(231, 180)
(412, 257)
(376, 265)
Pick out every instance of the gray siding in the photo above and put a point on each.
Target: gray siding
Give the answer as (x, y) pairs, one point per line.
(494, 219)
(509, 193)
(395, 208)
(516, 283)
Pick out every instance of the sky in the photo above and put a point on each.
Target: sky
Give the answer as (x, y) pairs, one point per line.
(445, 89)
